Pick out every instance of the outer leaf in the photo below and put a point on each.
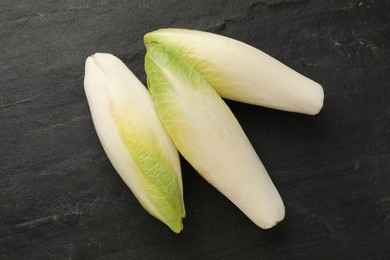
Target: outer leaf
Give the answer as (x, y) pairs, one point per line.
(240, 72)
(208, 135)
(134, 139)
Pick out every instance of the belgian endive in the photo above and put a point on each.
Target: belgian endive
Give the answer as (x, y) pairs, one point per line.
(134, 139)
(241, 72)
(209, 137)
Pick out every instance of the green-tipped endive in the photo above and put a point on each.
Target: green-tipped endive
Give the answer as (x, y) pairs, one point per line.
(241, 72)
(134, 139)
(209, 136)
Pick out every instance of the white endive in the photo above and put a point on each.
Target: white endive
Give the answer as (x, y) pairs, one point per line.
(209, 136)
(241, 72)
(134, 139)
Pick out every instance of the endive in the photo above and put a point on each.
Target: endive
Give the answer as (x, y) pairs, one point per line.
(241, 72)
(134, 139)
(209, 137)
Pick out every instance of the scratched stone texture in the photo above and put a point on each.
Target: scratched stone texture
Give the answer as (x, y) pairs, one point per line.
(60, 197)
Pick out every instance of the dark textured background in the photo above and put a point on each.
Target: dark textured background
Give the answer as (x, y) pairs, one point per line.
(61, 199)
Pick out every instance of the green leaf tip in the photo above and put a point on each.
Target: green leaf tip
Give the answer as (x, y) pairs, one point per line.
(155, 170)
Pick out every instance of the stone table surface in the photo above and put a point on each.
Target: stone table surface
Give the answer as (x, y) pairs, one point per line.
(61, 198)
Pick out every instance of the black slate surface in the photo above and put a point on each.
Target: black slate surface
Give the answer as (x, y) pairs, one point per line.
(61, 199)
